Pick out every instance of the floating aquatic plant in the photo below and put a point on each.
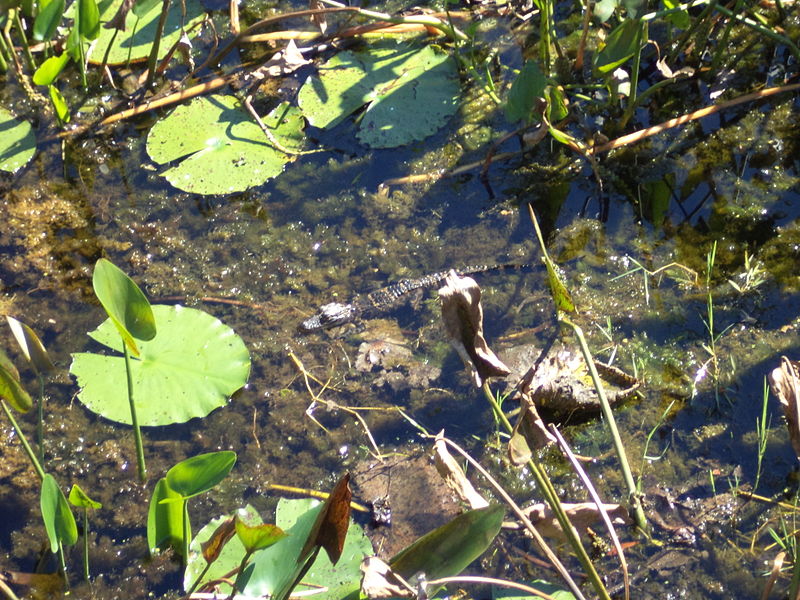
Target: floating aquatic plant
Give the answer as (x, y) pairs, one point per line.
(410, 92)
(217, 148)
(17, 144)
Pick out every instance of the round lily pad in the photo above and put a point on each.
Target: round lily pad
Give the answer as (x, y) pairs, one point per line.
(411, 92)
(219, 148)
(135, 42)
(188, 369)
(17, 142)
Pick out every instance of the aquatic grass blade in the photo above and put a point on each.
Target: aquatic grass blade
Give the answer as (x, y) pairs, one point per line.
(59, 521)
(200, 473)
(125, 304)
(10, 388)
(449, 549)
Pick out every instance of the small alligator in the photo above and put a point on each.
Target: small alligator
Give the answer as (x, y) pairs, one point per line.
(334, 314)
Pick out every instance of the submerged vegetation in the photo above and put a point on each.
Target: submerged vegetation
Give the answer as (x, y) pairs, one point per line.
(267, 163)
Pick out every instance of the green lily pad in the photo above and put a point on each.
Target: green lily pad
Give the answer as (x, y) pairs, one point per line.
(17, 142)
(410, 93)
(220, 148)
(191, 367)
(269, 568)
(135, 42)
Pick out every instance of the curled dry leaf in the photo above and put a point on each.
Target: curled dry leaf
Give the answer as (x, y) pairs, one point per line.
(319, 18)
(530, 433)
(785, 384)
(582, 515)
(463, 320)
(284, 62)
(379, 581)
(453, 476)
(212, 547)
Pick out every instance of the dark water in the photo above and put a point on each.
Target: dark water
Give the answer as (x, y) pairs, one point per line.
(327, 228)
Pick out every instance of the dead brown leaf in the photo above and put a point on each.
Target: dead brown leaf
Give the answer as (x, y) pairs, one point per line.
(330, 528)
(784, 382)
(530, 433)
(214, 545)
(463, 320)
(283, 62)
(319, 18)
(379, 581)
(582, 515)
(454, 476)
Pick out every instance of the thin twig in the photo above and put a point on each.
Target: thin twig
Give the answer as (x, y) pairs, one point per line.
(692, 116)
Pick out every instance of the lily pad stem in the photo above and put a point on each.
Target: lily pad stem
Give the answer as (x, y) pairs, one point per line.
(137, 434)
(40, 419)
(86, 545)
(242, 565)
(23, 440)
(153, 58)
(635, 497)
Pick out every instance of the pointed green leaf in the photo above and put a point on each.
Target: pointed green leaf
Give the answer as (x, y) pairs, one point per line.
(124, 302)
(447, 550)
(31, 346)
(10, 389)
(59, 104)
(56, 514)
(79, 498)
(258, 537)
(620, 45)
(525, 92)
(48, 19)
(200, 473)
(190, 368)
(164, 519)
(48, 71)
(561, 295)
(89, 24)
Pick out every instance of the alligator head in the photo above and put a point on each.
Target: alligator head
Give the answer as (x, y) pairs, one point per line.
(330, 315)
